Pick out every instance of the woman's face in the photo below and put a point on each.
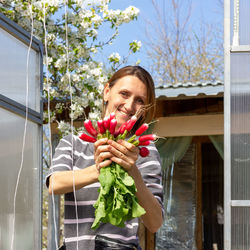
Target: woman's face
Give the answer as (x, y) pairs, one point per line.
(125, 98)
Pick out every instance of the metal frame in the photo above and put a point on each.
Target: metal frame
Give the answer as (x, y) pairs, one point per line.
(20, 109)
(15, 107)
(228, 49)
(227, 129)
(22, 35)
(240, 48)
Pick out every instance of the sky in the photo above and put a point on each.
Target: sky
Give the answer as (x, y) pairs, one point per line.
(207, 11)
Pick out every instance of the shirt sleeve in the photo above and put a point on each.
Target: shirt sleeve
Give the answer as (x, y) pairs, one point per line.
(150, 168)
(62, 159)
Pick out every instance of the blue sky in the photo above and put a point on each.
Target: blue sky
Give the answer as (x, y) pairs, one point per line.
(207, 11)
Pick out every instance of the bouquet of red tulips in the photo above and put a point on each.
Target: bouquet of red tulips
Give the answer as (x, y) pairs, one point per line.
(117, 201)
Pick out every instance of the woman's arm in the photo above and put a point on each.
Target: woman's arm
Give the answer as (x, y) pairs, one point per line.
(153, 217)
(62, 182)
(126, 155)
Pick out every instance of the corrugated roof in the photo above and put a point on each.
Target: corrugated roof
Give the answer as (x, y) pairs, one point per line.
(190, 89)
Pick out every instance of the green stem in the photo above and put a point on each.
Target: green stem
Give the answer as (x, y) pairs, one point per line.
(123, 136)
(136, 143)
(131, 138)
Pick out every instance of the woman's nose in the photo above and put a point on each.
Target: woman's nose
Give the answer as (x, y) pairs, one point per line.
(129, 105)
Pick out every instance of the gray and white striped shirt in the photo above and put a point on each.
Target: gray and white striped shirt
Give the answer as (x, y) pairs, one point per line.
(83, 156)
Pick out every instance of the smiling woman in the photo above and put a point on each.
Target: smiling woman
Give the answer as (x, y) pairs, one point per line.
(76, 166)
(126, 98)
(131, 91)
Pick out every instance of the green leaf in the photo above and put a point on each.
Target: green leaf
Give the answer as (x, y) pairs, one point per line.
(106, 179)
(137, 210)
(99, 214)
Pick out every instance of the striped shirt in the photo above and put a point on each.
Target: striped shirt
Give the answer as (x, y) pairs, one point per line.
(83, 156)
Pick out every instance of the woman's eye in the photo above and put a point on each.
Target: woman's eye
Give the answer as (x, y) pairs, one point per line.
(124, 93)
(140, 101)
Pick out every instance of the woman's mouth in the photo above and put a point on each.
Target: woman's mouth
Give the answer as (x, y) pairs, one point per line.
(124, 114)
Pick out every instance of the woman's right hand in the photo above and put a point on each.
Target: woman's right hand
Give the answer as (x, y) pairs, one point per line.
(102, 154)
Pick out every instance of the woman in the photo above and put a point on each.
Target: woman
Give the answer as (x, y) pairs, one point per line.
(127, 93)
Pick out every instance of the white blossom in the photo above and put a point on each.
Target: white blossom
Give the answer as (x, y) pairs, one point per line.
(76, 111)
(135, 45)
(94, 115)
(75, 73)
(114, 57)
(93, 50)
(96, 71)
(64, 127)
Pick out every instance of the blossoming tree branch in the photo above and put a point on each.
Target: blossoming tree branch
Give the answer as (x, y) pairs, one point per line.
(72, 41)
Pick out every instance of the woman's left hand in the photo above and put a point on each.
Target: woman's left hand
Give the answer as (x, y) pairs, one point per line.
(125, 153)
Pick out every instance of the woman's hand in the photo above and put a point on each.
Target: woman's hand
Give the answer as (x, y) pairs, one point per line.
(123, 153)
(102, 154)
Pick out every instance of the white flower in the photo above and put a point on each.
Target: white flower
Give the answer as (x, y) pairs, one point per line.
(75, 78)
(94, 115)
(135, 45)
(98, 102)
(102, 79)
(132, 11)
(84, 67)
(47, 60)
(93, 50)
(96, 19)
(96, 71)
(61, 62)
(76, 111)
(114, 57)
(64, 127)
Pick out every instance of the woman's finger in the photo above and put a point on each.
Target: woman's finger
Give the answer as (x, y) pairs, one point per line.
(131, 147)
(103, 156)
(127, 163)
(103, 164)
(123, 148)
(100, 142)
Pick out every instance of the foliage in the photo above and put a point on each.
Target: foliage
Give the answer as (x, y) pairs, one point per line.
(70, 31)
(116, 202)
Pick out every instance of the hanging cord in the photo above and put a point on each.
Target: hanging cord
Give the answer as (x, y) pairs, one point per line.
(25, 128)
(71, 120)
(49, 120)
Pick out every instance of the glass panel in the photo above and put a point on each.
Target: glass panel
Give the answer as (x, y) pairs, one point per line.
(240, 120)
(28, 205)
(178, 229)
(13, 71)
(244, 22)
(240, 228)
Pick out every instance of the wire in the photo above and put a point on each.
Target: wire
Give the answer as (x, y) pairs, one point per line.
(71, 123)
(49, 120)
(25, 128)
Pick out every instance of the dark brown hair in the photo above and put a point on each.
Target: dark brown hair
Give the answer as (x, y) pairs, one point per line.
(146, 78)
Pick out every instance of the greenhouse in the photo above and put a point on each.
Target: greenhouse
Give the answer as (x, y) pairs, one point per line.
(49, 87)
